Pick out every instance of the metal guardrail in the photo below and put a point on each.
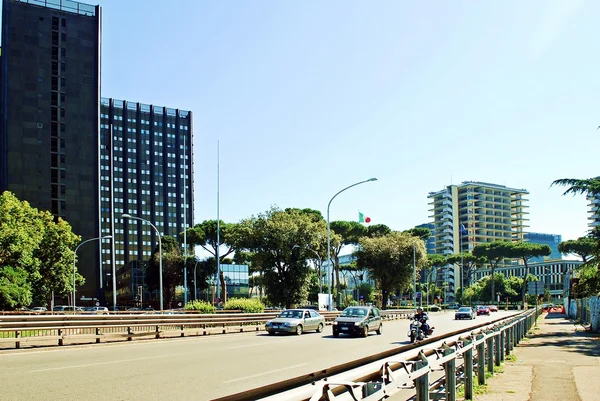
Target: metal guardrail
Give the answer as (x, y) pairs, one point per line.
(16, 329)
(479, 352)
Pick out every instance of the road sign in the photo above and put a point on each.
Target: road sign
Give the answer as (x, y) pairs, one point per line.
(535, 287)
(419, 294)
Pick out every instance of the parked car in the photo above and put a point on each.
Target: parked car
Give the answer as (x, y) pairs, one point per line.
(296, 321)
(63, 309)
(96, 310)
(493, 308)
(454, 306)
(464, 312)
(483, 310)
(38, 309)
(358, 320)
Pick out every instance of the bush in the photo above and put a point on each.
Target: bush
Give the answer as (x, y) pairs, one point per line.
(246, 305)
(201, 306)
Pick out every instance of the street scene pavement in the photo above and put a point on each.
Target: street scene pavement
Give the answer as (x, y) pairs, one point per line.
(558, 360)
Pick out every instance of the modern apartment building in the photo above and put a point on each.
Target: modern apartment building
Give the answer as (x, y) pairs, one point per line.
(146, 172)
(552, 240)
(473, 213)
(594, 211)
(49, 114)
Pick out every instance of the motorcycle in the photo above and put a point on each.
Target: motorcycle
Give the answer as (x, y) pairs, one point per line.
(416, 332)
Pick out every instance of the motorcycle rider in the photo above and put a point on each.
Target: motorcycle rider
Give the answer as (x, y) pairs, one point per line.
(422, 317)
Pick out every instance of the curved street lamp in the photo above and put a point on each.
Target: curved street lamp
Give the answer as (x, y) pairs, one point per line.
(128, 216)
(330, 307)
(75, 258)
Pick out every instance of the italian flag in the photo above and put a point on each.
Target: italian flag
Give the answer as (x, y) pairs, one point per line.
(363, 219)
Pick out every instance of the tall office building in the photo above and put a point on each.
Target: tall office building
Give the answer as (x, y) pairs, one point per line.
(146, 172)
(473, 213)
(49, 113)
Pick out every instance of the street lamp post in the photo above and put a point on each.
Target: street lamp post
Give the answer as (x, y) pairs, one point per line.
(330, 307)
(415, 274)
(75, 258)
(195, 279)
(160, 281)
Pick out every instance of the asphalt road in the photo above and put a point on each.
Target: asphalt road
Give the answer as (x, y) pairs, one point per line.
(194, 368)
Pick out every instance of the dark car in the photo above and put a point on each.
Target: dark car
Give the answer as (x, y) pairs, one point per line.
(358, 321)
(483, 310)
(464, 313)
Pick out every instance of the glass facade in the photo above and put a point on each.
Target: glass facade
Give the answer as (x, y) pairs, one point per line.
(236, 280)
(552, 240)
(146, 172)
(49, 95)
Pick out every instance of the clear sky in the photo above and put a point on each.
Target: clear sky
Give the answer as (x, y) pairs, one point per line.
(308, 97)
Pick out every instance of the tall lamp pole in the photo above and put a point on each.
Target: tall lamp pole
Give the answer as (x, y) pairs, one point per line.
(330, 307)
(415, 274)
(195, 279)
(75, 258)
(160, 281)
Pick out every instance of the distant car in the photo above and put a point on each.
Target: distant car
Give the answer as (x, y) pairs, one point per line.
(454, 306)
(96, 310)
(464, 312)
(63, 309)
(39, 309)
(493, 308)
(296, 321)
(483, 310)
(358, 320)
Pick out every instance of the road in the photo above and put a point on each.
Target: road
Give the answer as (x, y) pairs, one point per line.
(194, 368)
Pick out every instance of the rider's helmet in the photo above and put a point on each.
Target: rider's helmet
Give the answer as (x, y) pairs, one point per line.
(419, 309)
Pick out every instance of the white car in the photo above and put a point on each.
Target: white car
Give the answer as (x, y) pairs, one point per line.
(95, 310)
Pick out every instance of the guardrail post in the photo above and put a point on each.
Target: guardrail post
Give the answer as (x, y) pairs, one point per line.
(157, 332)
(490, 354)
(422, 383)
(204, 330)
(450, 370)
(60, 340)
(97, 334)
(17, 343)
(182, 330)
(481, 360)
(468, 369)
(129, 332)
(502, 344)
(224, 329)
(497, 347)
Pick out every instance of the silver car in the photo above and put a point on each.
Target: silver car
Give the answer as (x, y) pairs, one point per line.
(296, 321)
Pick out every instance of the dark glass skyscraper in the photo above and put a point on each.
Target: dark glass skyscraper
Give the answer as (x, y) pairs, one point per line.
(49, 113)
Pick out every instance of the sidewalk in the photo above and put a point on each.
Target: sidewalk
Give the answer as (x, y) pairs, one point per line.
(559, 361)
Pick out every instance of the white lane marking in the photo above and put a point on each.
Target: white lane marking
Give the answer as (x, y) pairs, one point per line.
(265, 373)
(99, 363)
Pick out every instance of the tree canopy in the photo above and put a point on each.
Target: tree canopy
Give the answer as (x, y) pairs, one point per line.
(389, 260)
(494, 252)
(36, 254)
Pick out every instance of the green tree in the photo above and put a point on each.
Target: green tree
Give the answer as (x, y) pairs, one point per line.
(582, 247)
(14, 289)
(389, 260)
(494, 252)
(378, 230)
(55, 254)
(172, 269)
(525, 251)
(205, 235)
(36, 252)
(272, 237)
(470, 264)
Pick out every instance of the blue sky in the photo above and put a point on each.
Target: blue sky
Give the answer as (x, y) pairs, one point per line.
(307, 97)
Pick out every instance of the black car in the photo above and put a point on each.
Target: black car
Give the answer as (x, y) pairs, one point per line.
(465, 313)
(358, 321)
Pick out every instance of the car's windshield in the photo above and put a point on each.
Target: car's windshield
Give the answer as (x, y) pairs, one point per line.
(464, 310)
(291, 314)
(354, 312)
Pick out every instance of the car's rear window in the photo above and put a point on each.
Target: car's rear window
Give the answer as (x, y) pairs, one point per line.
(464, 310)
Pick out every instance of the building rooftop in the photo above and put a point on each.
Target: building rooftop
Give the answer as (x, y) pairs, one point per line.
(64, 5)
